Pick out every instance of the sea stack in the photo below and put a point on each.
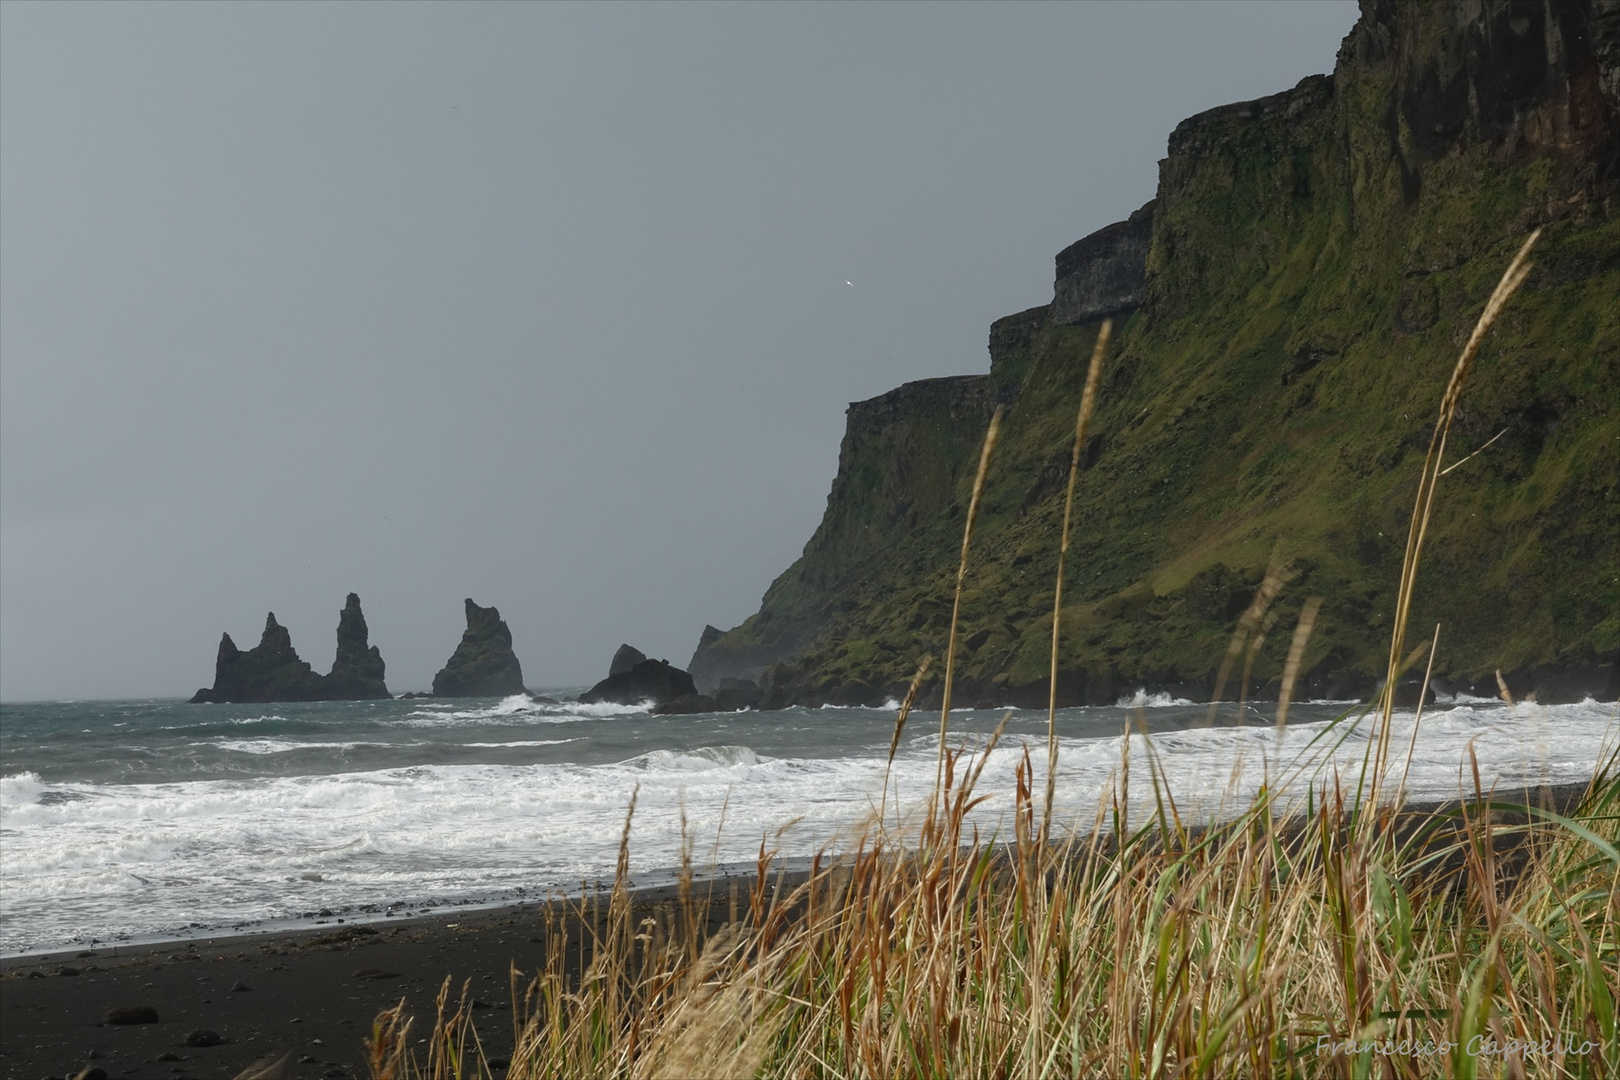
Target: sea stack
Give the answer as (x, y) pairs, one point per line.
(483, 665)
(272, 670)
(634, 679)
(357, 670)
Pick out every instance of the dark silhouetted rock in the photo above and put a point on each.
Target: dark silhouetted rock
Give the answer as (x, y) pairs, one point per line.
(272, 670)
(686, 705)
(657, 681)
(735, 694)
(203, 1037)
(626, 658)
(132, 1014)
(483, 665)
(357, 670)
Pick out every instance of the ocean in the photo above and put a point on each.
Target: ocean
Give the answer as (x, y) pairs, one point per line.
(129, 821)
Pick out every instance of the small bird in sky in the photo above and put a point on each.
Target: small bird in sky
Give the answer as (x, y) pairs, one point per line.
(851, 284)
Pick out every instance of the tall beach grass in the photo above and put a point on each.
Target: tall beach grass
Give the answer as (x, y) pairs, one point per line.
(1349, 939)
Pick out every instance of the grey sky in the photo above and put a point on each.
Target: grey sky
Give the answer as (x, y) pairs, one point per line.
(539, 304)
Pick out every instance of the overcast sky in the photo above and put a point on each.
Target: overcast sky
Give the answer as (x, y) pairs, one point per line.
(539, 304)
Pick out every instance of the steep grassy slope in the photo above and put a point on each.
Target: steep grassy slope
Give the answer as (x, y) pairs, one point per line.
(1317, 258)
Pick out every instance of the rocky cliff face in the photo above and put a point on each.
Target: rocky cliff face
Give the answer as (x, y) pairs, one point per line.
(1103, 274)
(272, 670)
(1313, 261)
(483, 664)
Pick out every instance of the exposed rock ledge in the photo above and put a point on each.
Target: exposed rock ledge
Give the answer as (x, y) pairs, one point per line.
(1104, 273)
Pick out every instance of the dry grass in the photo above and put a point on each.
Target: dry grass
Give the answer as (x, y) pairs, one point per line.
(1344, 941)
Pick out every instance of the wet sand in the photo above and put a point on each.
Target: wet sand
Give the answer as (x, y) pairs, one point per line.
(307, 995)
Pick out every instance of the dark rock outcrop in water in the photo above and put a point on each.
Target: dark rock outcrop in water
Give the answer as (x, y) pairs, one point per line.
(483, 665)
(735, 694)
(270, 671)
(273, 671)
(357, 670)
(1287, 315)
(657, 681)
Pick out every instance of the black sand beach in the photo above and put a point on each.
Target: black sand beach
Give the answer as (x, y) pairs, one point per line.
(307, 996)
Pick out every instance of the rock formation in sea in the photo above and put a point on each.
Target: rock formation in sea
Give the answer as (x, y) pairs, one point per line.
(627, 657)
(1287, 311)
(273, 671)
(357, 670)
(483, 664)
(657, 681)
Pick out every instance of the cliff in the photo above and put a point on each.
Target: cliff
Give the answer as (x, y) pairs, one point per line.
(273, 671)
(483, 664)
(1287, 310)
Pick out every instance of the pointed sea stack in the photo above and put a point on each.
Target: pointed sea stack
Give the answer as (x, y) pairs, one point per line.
(483, 665)
(357, 670)
(626, 658)
(271, 671)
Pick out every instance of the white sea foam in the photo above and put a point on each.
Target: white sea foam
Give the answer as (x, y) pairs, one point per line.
(520, 709)
(83, 860)
(522, 742)
(1462, 698)
(20, 789)
(278, 746)
(1141, 699)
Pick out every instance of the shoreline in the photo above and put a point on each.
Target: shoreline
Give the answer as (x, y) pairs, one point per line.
(650, 883)
(311, 993)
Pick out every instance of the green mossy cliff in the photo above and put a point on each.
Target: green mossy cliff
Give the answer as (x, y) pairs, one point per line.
(1288, 310)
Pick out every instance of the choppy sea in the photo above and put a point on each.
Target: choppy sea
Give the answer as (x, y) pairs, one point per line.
(123, 821)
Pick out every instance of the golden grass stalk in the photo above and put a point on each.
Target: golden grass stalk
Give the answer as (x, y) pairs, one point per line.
(961, 574)
(899, 726)
(1296, 655)
(1087, 401)
(1428, 482)
(1250, 624)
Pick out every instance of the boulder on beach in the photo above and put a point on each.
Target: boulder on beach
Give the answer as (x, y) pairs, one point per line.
(132, 1014)
(657, 681)
(484, 664)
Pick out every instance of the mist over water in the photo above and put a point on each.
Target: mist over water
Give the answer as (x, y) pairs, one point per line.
(150, 819)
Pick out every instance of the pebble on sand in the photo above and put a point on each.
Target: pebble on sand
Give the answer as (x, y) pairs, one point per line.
(132, 1014)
